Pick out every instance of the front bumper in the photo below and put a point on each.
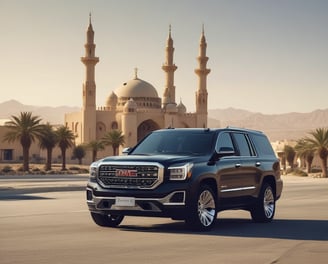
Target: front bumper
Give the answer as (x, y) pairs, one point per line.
(170, 203)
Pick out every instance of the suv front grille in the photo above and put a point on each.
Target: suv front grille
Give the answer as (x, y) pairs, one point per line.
(134, 176)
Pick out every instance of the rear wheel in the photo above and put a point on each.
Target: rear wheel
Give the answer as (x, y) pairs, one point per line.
(264, 209)
(107, 220)
(203, 212)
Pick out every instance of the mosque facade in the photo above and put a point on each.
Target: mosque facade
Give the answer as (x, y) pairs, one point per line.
(135, 108)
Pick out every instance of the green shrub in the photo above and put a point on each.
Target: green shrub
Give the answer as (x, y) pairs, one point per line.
(316, 170)
(74, 168)
(7, 169)
(299, 172)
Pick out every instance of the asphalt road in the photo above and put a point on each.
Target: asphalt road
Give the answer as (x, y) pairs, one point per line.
(55, 227)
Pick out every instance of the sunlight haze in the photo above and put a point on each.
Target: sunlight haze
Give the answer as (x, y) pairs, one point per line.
(265, 56)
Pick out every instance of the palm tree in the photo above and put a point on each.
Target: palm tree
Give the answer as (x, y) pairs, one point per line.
(48, 141)
(65, 140)
(25, 128)
(306, 152)
(290, 155)
(79, 153)
(114, 138)
(319, 142)
(95, 146)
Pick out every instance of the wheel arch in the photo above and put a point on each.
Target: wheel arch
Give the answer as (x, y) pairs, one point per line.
(211, 182)
(270, 179)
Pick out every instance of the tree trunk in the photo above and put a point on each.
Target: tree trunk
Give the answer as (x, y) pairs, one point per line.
(324, 167)
(283, 161)
(63, 151)
(94, 155)
(26, 157)
(309, 161)
(308, 166)
(49, 158)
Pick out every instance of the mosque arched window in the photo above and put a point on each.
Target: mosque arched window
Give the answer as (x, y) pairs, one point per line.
(114, 125)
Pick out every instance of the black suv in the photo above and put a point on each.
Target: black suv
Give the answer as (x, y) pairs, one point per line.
(187, 174)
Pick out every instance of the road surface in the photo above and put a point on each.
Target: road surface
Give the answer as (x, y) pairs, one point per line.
(55, 227)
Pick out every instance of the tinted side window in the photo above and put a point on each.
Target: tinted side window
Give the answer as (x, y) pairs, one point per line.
(262, 145)
(243, 145)
(224, 143)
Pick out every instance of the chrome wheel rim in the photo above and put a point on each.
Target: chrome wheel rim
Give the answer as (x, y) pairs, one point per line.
(206, 208)
(269, 203)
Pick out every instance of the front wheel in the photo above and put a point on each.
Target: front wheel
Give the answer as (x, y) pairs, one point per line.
(203, 212)
(107, 220)
(264, 209)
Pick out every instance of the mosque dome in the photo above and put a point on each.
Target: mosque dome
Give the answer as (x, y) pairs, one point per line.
(137, 88)
(111, 100)
(130, 106)
(181, 108)
(143, 94)
(171, 108)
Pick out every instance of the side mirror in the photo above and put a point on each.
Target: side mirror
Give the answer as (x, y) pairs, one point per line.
(226, 151)
(223, 151)
(126, 151)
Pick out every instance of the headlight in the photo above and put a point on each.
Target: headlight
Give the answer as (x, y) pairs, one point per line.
(180, 173)
(93, 173)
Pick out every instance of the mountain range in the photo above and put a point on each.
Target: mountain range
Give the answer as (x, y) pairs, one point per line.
(53, 115)
(289, 126)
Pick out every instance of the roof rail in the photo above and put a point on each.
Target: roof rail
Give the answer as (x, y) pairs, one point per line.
(245, 129)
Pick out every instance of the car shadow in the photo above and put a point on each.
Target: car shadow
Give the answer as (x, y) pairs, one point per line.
(294, 229)
(21, 196)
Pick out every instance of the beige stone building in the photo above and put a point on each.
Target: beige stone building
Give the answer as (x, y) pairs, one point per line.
(13, 152)
(135, 108)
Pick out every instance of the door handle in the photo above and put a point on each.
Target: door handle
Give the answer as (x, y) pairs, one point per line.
(237, 165)
(258, 164)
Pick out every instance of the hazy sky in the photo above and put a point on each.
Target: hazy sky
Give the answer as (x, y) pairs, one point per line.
(268, 56)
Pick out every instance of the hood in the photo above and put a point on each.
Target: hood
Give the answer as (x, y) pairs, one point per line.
(165, 160)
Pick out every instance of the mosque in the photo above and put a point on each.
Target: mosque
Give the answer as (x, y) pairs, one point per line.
(135, 108)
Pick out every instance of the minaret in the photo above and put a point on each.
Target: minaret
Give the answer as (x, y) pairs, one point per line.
(89, 88)
(169, 68)
(201, 94)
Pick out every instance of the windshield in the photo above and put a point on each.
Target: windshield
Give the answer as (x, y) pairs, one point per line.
(177, 143)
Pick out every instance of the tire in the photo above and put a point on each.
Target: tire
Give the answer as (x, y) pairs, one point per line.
(203, 211)
(264, 209)
(107, 220)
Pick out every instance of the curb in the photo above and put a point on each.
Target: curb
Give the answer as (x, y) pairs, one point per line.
(7, 191)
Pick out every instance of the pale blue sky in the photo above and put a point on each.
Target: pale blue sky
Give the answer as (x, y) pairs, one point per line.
(268, 56)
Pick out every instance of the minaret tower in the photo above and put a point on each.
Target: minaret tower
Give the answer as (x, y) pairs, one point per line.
(201, 94)
(169, 68)
(89, 88)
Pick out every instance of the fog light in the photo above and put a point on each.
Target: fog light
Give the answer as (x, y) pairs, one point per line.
(89, 195)
(178, 197)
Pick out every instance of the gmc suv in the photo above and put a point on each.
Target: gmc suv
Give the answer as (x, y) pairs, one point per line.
(187, 174)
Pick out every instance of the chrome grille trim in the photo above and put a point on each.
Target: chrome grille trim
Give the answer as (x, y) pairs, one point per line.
(96, 200)
(144, 175)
